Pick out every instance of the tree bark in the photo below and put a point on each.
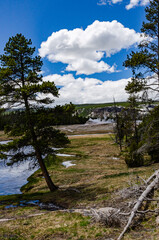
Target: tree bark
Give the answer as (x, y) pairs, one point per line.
(48, 180)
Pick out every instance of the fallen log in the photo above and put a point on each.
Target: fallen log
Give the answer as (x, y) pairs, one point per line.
(142, 197)
(152, 176)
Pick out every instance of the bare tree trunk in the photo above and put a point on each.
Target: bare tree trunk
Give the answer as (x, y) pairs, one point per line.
(48, 180)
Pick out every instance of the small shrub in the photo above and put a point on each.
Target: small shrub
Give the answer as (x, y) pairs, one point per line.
(134, 160)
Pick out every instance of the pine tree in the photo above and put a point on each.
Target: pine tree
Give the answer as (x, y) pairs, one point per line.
(145, 62)
(145, 68)
(22, 86)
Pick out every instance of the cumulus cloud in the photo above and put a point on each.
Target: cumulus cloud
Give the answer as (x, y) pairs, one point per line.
(87, 90)
(84, 51)
(132, 4)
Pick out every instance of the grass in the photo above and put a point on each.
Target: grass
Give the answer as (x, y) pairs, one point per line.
(54, 226)
(122, 174)
(92, 182)
(100, 105)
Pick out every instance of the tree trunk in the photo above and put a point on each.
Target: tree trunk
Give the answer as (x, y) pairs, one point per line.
(48, 180)
(45, 173)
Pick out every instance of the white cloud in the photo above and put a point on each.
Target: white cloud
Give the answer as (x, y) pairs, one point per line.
(132, 4)
(87, 90)
(116, 1)
(85, 50)
(102, 2)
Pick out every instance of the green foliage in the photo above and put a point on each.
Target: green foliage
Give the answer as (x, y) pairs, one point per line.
(64, 115)
(119, 127)
(126, 123)
(150, 135)
(21, 84)
(147, 150)
(59, 115)
(145, 62)
(132, 158)
(19, 74)
(143, 145)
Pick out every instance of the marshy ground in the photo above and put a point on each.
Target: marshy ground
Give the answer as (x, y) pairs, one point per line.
(95, 181)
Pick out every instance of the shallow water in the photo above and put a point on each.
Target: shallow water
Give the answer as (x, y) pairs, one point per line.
(68, 164)
(24, 203)
(12, 178)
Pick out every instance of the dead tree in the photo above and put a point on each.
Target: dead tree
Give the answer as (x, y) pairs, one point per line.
(152, 182)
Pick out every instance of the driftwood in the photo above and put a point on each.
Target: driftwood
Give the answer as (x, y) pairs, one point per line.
(152, 182)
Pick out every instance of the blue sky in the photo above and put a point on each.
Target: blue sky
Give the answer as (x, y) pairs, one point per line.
(83, 43)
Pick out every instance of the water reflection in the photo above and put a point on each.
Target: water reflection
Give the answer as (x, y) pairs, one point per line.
(12, 178)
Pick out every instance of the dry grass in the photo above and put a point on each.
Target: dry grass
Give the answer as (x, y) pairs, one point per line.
(54, 225)
(3, 136)
(100, 172)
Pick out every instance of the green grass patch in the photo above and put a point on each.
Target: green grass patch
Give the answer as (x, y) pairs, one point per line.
(74, 170)
(122, 174)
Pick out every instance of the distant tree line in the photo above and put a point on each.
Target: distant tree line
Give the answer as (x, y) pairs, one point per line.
(59, 115)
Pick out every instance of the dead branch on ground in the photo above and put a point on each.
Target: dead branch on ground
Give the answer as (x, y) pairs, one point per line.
(152, 182)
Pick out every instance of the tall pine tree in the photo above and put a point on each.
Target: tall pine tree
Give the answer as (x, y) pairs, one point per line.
(22, 86)
(145, 62)
(145, 68)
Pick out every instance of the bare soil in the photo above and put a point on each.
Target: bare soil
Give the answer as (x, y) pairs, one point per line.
(77, 129)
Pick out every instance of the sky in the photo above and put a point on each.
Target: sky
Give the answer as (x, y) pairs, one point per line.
(83, 43)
